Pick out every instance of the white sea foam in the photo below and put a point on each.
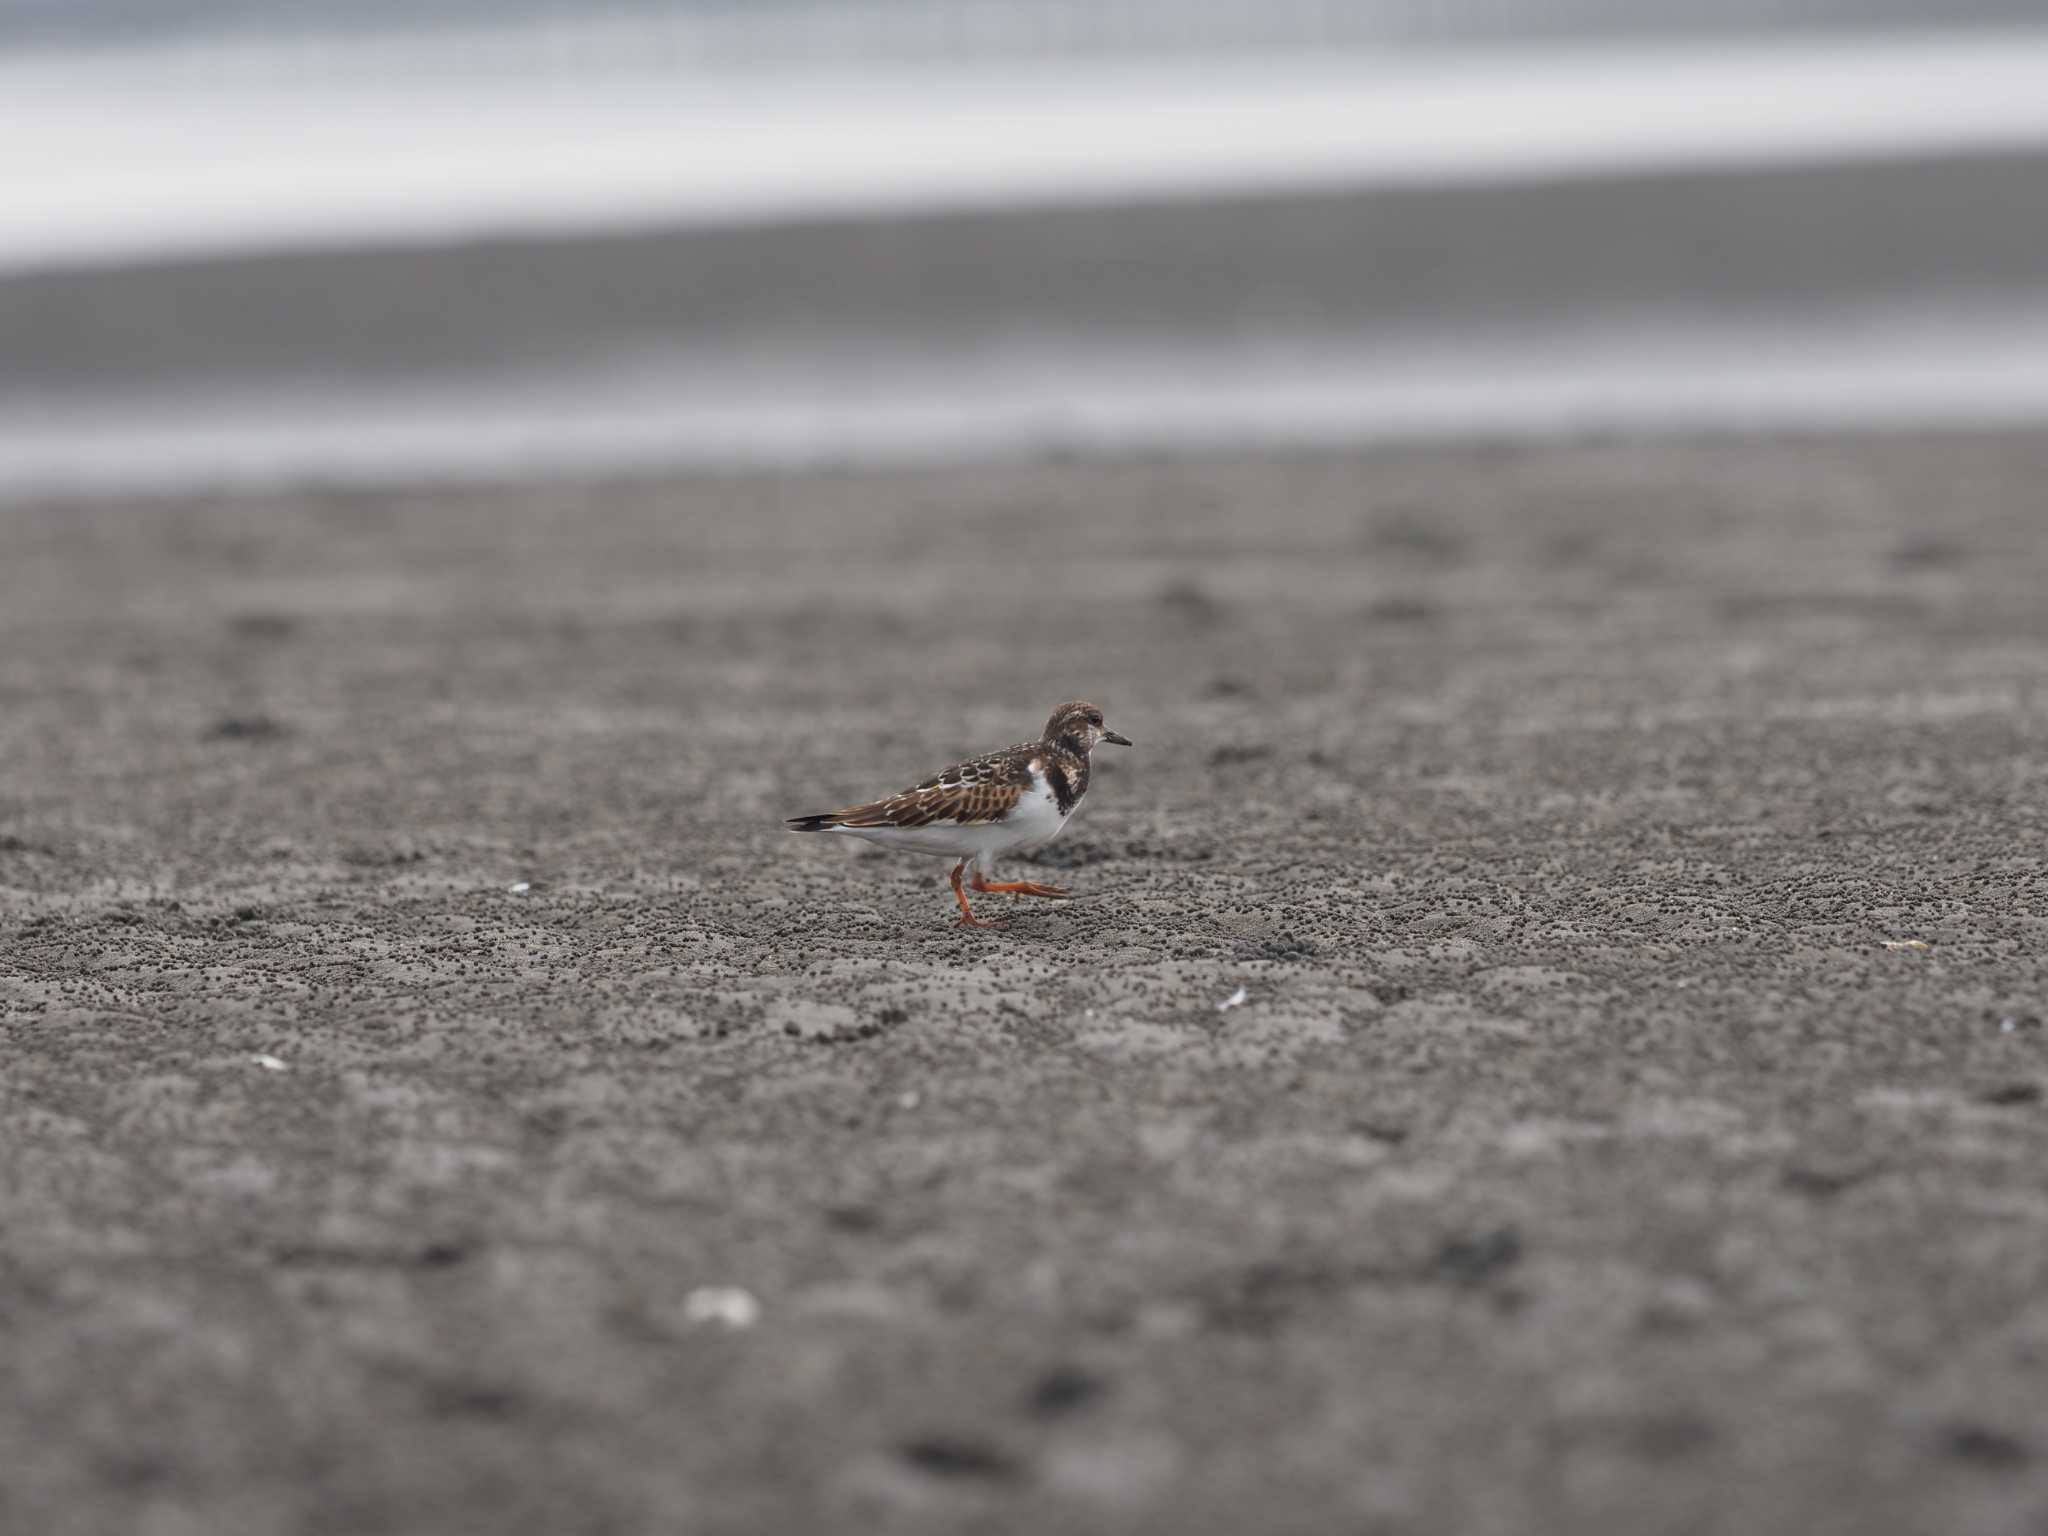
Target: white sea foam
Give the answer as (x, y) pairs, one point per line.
(111, 157)
(1884, 375)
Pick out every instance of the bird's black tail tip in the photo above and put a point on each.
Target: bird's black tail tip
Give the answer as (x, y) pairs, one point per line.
(821, 823)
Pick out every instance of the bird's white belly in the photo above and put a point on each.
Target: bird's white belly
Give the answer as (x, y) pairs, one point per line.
(1033, 822)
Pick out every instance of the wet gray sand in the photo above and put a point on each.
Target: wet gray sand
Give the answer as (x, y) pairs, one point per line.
(1318, 279)
(1632, 855)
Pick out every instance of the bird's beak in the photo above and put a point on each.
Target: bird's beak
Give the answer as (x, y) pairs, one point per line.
(1113, 737)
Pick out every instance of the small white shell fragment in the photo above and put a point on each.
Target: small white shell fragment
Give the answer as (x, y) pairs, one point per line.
(909, 1099)
(726, 1305)
(1913, 944)
(268, 1063)
(520, 887)
(1236, 999)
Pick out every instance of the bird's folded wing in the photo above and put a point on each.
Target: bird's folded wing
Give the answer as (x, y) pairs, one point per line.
(982, 789)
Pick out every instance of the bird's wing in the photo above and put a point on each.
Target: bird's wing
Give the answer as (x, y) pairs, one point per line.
(982, 789)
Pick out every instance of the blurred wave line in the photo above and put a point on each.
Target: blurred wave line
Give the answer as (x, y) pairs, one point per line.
(725, 30)
(1987, 371)
(108, 159)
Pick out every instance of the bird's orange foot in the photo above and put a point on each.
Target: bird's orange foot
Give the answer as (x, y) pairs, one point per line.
(1024, 888)
(967, 917)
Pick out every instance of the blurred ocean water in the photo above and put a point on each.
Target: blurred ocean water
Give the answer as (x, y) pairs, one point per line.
(272, 241)
(787, 28)
(243, 147)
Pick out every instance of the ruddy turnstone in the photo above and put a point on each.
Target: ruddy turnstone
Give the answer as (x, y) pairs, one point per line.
(1004, 802)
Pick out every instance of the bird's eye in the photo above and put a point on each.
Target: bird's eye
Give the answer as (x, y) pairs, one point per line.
(1095, 717)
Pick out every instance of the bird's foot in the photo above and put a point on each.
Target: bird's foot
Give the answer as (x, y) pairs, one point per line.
(1024, 888)
(967, 917)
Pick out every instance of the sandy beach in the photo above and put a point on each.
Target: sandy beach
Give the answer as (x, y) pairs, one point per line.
(415, 1020)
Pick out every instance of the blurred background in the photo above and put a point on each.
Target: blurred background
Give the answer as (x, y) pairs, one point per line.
(380, 240)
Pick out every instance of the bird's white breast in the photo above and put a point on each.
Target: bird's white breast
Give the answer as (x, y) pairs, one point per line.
(1036, 817)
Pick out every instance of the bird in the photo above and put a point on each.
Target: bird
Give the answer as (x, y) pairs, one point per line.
(998, 803)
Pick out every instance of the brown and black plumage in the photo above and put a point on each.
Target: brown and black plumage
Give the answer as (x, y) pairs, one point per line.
(1001, 802)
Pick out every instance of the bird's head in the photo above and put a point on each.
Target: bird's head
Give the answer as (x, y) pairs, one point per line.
(1080, 726)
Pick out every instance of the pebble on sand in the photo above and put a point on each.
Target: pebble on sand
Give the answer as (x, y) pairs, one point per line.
(726, 1305)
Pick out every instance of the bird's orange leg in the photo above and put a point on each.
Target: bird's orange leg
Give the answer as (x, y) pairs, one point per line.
(967, 917)
(1021, 888)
